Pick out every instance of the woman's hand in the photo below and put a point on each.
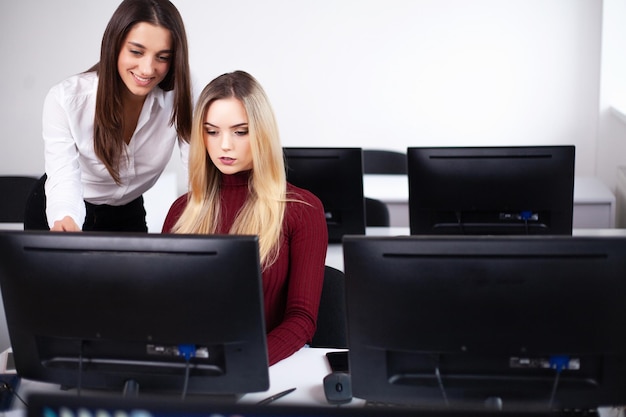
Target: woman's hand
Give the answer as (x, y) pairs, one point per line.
(66, 224)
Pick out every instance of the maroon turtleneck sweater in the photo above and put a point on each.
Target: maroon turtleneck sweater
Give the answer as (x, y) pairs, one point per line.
(293, 284)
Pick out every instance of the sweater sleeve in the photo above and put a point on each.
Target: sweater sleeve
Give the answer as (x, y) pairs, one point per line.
(307, 236)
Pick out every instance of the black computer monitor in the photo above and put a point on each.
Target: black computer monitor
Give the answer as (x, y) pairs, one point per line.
(116, 312)
(491, 190)
(518, 322)
(335, 176)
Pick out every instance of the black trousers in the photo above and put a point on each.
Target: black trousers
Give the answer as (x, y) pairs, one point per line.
(103, 218)
(127, 218)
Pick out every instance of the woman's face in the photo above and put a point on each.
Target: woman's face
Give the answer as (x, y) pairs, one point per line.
(226, 136)
(145, 58)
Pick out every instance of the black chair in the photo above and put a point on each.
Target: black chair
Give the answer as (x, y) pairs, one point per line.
(35, 210)
(378, 161)
(14, 191)
(331, 318)
(376, 213)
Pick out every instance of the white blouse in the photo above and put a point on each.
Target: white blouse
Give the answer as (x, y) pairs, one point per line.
(75, 172)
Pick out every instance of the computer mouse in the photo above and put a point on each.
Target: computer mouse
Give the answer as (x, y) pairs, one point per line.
(338, 388)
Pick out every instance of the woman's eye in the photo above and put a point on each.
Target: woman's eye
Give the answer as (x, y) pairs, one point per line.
(211, 132)
(241, 132)
(134, 52)
(164, 58)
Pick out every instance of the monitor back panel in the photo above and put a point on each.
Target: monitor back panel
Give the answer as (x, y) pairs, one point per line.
(335, 176)
(488, 314)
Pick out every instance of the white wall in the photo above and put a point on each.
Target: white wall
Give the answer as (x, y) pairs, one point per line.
(612, 127)
(368, 73)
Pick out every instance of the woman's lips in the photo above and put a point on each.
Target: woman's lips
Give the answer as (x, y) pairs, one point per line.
(227, 161)
(141, 80)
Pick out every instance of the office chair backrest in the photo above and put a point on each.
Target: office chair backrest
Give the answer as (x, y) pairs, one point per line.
(376, 213)
(331, 318)
(377, 161)
(35, 213)
(14, 191)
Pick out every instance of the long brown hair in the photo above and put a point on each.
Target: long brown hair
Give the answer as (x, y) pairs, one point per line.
(108, 140)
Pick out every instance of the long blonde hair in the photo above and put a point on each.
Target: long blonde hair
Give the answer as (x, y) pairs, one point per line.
(263, 211)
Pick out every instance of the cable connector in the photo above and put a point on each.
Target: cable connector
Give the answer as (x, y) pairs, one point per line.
(526, 215)
(559, 362)
(187, 351)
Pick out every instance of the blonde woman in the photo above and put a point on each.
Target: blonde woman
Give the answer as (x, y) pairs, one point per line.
(238, 186)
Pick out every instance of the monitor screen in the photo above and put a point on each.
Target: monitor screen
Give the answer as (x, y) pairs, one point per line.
(533, 322)
(491, 190)
(335, 176)
(161, 313)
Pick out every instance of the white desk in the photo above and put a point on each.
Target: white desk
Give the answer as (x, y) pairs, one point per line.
(305, 370)
(594, 203)
(334, 253)
(11, 226)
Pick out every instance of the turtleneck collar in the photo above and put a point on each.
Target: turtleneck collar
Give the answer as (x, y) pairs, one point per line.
(236, 180)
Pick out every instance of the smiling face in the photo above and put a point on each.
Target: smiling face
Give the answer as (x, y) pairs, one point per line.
(226, 136)
(145, 58)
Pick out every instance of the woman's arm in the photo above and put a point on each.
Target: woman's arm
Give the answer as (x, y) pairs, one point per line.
(307, 245)
(63, 185)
